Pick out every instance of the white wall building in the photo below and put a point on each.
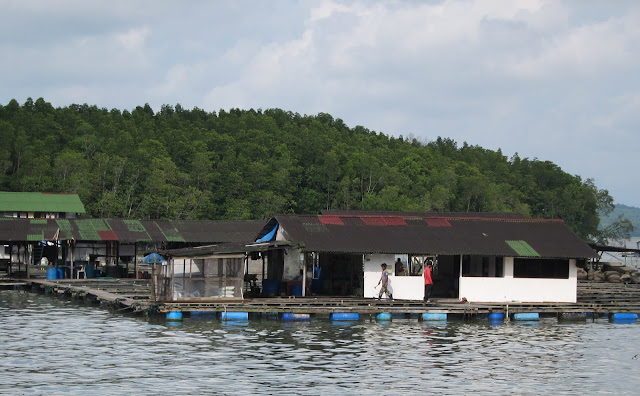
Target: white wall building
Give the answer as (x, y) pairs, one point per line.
(481, 257)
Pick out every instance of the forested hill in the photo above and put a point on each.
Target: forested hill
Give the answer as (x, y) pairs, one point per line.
(240, 164)
(630, 212)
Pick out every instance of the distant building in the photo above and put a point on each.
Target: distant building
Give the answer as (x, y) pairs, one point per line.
(39, 205)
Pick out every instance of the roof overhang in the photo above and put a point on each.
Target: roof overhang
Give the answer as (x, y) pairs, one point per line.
(225, 248)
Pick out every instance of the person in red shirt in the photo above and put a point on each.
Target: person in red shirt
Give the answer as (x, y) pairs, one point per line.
(428, 282)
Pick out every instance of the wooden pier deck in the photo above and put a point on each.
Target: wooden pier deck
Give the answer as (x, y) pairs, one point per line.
(124, 293)
(135, 295)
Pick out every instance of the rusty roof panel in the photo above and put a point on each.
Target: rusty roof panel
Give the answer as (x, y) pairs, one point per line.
(335, 220)
(437, 222)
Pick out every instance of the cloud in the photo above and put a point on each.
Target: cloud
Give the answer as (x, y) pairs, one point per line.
(554, 80)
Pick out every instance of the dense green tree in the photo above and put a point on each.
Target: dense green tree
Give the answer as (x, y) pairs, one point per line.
(239, 164)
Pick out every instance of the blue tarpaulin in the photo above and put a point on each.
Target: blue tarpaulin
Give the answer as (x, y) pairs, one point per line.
(152, 258)
(271, 235)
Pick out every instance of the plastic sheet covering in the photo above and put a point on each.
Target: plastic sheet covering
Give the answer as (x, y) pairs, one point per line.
(218, 277)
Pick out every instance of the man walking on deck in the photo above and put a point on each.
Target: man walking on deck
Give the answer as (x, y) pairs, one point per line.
(384, 280)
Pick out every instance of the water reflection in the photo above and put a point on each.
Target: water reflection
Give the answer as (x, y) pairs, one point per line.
(55, 345)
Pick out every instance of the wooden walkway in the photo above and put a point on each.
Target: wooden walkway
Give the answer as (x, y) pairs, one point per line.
(135, 295)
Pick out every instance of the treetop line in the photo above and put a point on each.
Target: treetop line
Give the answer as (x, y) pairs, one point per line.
(251, 164)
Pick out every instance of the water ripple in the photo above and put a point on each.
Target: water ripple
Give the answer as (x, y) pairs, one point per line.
(55, 346)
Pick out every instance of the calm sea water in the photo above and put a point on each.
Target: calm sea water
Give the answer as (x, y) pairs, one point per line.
(56, 346)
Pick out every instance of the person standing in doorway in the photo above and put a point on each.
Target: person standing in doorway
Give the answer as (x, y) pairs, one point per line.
(428, 282)
(400, 271)
(384, 280)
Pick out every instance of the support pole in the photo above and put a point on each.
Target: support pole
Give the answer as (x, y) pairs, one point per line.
(304, 275)
(135, 259)
(71, 257)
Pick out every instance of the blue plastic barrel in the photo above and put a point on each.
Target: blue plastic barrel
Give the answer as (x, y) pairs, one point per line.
(495, 316)
(296, 290)
(270, 287)
(526, 316)
(434, 316)
(174, 315)
(60, 271)
(235, 316)
(295, 316)
(52, 273)
(623, 317)
(383, 316)
(90, 270)
(345, 316)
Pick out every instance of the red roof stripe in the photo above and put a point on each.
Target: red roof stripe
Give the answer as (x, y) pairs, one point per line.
(383, 221)
(108, 235)
(394, 221)
(334, 220)
(435, 222)
(373, 221)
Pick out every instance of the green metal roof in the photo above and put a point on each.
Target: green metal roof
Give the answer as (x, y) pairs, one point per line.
(523, 249)
(40, 202)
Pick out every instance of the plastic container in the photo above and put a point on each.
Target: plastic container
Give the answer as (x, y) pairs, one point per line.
(89, 270)
(383, 316)
(623, 317)
(174, 315)
(345, 316)
(52, 273)
(60, 271)
(270, 288)
(526, 316)
(495, 316)
(235, 315)
(296, 290)
(434, 316)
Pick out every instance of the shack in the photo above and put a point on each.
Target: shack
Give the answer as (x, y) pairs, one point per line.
(482, 257)
(107, 247)
(220, 271)
(32, 205)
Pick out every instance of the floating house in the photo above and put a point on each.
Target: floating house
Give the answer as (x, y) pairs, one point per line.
(109, 246)
(480, 257)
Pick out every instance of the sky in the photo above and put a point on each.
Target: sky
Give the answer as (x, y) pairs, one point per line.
(553, 80)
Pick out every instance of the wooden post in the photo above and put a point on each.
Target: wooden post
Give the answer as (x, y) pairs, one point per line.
(304, 275)
(29, 250)
(135, 259)
(71, 257)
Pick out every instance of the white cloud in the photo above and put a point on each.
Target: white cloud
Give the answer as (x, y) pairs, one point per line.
(134, 39)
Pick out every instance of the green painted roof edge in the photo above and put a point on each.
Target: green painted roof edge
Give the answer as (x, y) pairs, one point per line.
(522, 248)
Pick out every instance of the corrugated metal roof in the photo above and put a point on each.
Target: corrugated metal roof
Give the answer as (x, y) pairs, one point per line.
(128, 231)
(223, 248)
(40, 202)
(439, 234)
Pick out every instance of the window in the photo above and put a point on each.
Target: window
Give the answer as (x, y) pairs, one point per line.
(416, 264)
(541, 268)
(482, 266)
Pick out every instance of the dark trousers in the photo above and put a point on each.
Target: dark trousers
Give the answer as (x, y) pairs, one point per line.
(427, 292)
